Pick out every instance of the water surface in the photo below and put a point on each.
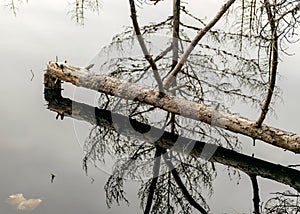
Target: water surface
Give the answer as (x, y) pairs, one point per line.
(35, 145)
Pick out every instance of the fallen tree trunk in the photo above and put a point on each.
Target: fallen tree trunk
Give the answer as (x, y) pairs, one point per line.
(104, 118)
(121, 88)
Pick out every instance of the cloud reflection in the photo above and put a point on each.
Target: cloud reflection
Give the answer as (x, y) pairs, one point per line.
(19, 202)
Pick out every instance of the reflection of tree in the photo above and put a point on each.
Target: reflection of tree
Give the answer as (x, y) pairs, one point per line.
(166, 189)
(13, 5)
(256, 199)
(152, 187)
(164, 186)
(285, 203)
(78, 8)
(173, 180)
(183, 186)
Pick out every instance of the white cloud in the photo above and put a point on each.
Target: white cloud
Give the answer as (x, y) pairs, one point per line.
(19, 202)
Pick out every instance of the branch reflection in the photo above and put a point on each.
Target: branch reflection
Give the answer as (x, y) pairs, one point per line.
(170, 178)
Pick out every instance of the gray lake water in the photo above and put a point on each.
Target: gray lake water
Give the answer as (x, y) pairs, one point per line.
(34, 145)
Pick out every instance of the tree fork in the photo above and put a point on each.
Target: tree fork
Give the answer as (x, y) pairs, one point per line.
(121, 88)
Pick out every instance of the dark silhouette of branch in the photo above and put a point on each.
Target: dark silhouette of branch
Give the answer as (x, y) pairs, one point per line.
(168, 80)
(156, 168)
(256, 199)
(141, 41)
(273, 64)
(181, 185)
(293, 165)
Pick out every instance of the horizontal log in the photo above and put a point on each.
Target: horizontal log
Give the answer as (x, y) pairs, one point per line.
(127, 90)
(104, 118)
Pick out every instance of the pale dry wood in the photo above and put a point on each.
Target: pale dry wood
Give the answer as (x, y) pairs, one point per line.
(197, 111)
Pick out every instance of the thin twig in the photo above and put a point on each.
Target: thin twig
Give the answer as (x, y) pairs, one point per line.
(163, 53)
(32, 75)
(142, 112)
(285, 194)
(293, 165)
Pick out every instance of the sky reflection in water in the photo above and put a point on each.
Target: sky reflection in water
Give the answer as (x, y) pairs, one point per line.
(34, 144)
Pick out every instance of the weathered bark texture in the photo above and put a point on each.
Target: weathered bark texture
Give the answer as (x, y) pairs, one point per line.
(104, 118)
(197, 111)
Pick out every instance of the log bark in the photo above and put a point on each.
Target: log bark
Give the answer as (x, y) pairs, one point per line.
(121, 88)
(104, 118)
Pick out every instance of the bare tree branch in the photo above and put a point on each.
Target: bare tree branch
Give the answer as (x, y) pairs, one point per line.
(175, 37)
(273, 64)
(141, 41)
(168, 80)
